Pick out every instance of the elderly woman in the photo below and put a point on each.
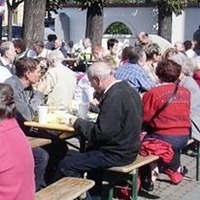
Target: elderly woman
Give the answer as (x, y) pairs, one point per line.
(172, 123)
(17, 165)
(188, 82)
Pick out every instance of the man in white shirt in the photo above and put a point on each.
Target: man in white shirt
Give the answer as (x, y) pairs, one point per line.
(38, 51)
(61, 81)
(8, 54)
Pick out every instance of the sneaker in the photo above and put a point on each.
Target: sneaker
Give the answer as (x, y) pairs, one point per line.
(175, 177)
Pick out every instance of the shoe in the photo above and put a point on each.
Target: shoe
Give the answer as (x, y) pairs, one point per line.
(191, 152)
(147, 185)
(183, 170)
(175, 177)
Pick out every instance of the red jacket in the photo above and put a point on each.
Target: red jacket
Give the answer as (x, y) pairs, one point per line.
(175, 118)
(157, 147)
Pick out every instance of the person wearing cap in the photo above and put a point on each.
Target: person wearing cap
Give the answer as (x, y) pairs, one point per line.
(195, 51)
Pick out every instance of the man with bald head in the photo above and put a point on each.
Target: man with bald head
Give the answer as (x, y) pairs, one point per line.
(114, 138)
(142, 39)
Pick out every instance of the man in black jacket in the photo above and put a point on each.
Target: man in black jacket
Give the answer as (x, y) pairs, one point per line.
(114, 139)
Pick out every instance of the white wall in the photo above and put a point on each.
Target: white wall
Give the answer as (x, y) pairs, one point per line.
(137, 19)
(184, 25)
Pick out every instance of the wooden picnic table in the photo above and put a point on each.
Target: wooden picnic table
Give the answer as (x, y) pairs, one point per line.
(64, 131)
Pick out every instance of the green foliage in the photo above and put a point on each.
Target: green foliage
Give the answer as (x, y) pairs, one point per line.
(84, 4)
(175, 6)
(54, 5)
(118, 28)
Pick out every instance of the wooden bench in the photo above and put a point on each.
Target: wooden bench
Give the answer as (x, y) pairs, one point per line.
(133, 170)
(38, 142)
(67, 188)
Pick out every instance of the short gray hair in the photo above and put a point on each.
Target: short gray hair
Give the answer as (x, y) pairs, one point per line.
(185, 62)
(99, 69)
(56, 55)
(5, 46)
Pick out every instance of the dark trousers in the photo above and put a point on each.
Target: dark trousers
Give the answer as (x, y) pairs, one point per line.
(178, 143)
(47, 157)
(41, 158)
(92, 162)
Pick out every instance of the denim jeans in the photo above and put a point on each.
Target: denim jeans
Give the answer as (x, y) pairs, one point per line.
(92, 162)
(177, 142)
(41, 158)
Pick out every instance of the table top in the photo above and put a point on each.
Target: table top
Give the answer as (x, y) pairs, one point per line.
(38, 142)
(66, 130)
(50, 126)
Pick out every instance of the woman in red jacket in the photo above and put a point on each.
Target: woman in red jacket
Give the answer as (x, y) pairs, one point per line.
(172, 124)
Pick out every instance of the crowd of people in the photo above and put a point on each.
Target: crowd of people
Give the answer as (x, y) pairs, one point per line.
(139, 87)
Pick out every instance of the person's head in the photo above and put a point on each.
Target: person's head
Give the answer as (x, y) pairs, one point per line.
(142, 38)
(71, 43)
(187, 44)
(7, 51)
(168, 71)
(100, 76)
(43, 64)
(20, 45)
(110, 61)
(57, 43)
(184, 62)
(98, 52)
(153, 52)
(54, 58)
(7, 105)
(51, 37)
(87, 43)
(179, 46)
(112, 45)
(168, 53)
(38, 47)
(134, 55)
(139, 51)
(28, 69)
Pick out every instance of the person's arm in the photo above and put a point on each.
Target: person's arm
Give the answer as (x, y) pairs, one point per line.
(145, 81)
(50, 82)
(26, 107)
(108, 122)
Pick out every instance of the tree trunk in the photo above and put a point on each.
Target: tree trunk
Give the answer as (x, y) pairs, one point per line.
(164, 22)
(34, 17)
(94, 24)
(10, 16)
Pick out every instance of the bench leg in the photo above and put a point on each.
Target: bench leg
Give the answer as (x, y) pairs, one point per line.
(134, 185)
(197, 159)
(110, 195)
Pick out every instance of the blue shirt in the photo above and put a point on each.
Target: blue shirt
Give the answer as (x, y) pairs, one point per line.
(136, 76)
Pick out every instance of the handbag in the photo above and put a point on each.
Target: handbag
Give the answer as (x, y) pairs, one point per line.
(145, 126)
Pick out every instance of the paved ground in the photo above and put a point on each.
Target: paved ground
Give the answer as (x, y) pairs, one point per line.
(189, 189)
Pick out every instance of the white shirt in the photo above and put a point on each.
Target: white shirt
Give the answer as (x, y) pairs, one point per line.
(43, 54)
(4, 74)
(84, 91)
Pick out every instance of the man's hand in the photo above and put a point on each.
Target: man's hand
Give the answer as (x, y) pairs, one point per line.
(72, 120)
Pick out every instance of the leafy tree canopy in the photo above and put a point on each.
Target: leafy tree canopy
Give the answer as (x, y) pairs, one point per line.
(175, 6)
